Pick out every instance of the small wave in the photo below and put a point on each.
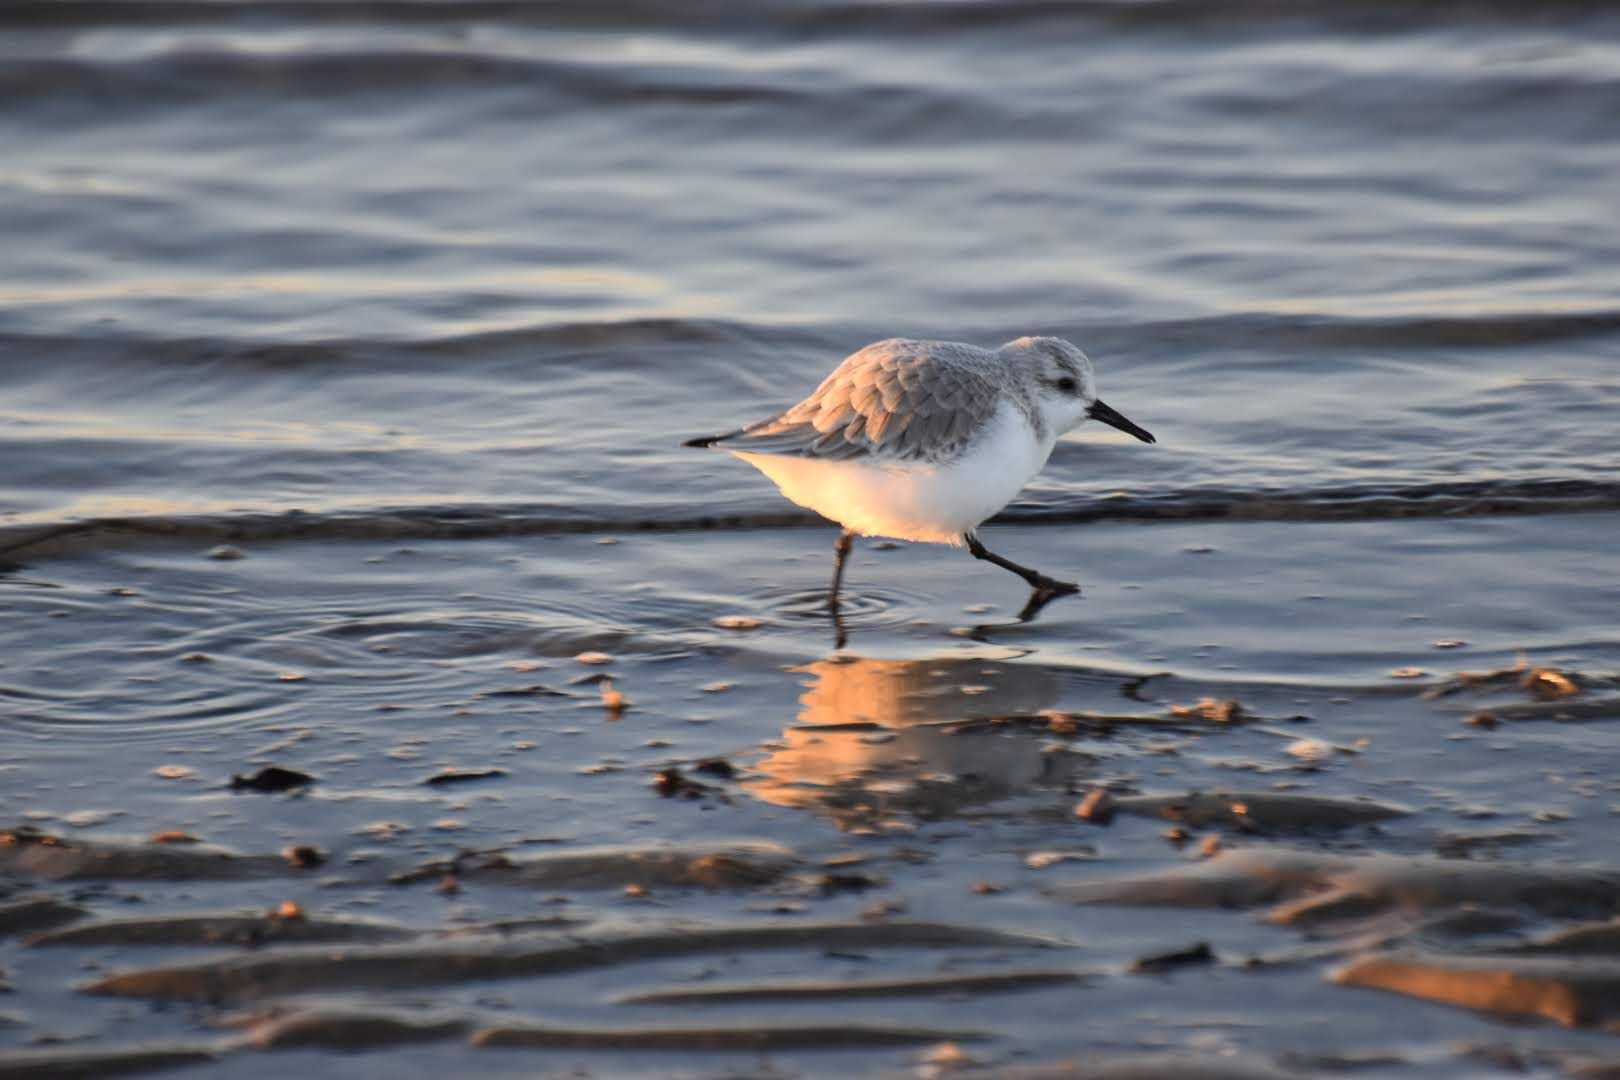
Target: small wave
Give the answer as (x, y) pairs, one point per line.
(861, 607)
(1345, 503)
(1281, 332)
(195, 73)
(881, 109)
(415, 523)
(864, 16)
(558, 341)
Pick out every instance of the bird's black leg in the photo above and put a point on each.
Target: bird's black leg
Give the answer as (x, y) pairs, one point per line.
(846, 540)
(1037, 580)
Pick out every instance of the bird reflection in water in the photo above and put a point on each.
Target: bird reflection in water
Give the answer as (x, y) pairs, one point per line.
(876, 738)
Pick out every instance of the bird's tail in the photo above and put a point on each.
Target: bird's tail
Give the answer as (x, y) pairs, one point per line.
(703, 441)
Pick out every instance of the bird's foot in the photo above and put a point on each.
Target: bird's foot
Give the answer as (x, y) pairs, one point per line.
(1043, 584)
(1043, 594)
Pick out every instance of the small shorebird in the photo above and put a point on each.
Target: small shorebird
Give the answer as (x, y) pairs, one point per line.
(924, 440)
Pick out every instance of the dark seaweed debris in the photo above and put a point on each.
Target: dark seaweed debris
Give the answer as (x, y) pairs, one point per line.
(271, 779)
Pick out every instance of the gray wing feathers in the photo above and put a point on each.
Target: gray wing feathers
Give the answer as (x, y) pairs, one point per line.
(895, 399)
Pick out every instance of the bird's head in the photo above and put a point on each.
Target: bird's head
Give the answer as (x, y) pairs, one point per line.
(1064, 386)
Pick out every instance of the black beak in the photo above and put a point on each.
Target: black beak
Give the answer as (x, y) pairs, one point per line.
(1099, 411)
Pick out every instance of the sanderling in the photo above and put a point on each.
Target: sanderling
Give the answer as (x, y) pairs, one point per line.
(924, 440)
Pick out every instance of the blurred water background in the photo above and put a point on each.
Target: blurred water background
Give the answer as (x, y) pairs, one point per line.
(461, 258)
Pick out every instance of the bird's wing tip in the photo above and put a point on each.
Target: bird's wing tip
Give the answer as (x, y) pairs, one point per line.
(703, 442)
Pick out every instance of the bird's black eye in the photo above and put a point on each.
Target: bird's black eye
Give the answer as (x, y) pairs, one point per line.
(1066, 384)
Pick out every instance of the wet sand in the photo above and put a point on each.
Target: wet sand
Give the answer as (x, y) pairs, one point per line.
(769, 850)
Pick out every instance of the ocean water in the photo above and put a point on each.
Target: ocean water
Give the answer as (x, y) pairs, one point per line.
(470, 259)
(413, 303)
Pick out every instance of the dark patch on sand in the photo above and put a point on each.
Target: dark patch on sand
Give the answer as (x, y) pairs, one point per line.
(276, 972)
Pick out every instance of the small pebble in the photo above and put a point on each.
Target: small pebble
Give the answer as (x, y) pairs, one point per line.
(738, 622)
(1097, 806)
(831, 883)
(1041, 860)
(303, 856)
(1547, 683)
(84, 819)
(593, 658)
(448, 776)
(883, 909)
(383, 830)
(1310, 751)
(948, 1055)
(670, 783)
(1216, 711)
(226, 551)
(272, 778)
(1060, 723)
(1200, 953)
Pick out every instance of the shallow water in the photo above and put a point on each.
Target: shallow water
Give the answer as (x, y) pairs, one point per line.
(412, 304)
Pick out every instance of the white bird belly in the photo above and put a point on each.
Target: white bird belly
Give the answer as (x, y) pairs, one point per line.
(915, 500)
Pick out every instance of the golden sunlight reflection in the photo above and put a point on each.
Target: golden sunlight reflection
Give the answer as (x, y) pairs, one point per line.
(909, 736)
(123, 506)
(356, 285)
(140, 427)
